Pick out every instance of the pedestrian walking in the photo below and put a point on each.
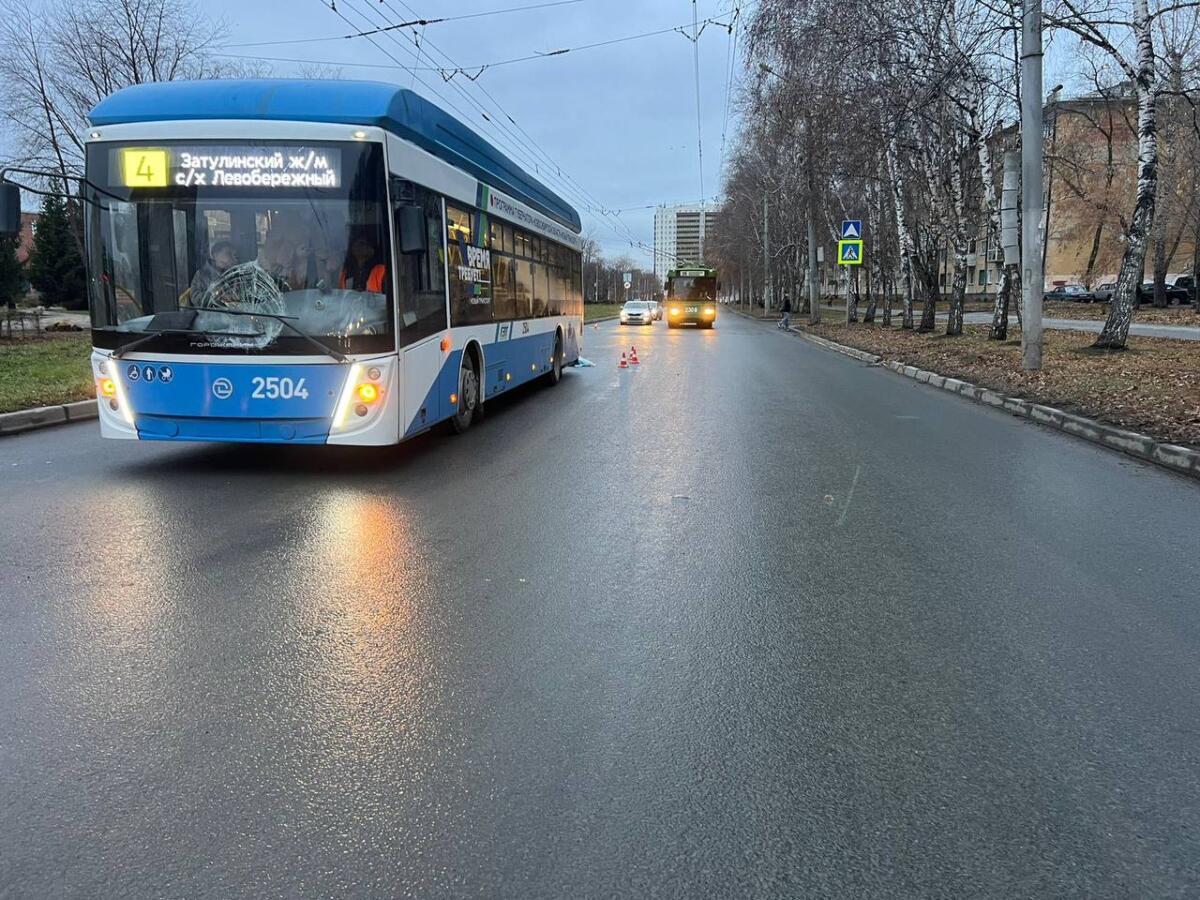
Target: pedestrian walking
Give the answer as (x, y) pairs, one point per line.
(786, 309)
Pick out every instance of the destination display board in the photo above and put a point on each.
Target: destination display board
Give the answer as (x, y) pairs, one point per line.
(233, 165)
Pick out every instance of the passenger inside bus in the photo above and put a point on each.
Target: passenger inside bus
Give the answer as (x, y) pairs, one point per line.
(364, 269)
(221, 256)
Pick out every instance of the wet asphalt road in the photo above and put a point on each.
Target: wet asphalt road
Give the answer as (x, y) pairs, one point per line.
(751, 620)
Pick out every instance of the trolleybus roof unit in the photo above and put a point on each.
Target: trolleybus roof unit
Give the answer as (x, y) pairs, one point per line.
(394, 109)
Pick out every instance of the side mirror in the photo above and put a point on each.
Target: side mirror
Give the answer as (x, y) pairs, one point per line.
(10, 209)
(410, 220)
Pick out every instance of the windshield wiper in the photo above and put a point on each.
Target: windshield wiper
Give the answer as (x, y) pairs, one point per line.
(287, 321)
(145, 339)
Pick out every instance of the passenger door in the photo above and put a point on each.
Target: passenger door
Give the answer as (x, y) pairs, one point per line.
(420, 304)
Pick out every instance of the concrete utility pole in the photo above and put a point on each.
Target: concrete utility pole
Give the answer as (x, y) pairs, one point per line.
(1031, 182)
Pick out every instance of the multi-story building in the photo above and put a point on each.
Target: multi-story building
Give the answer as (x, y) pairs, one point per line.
(25, 244)
(679, 236)
(1091, 178)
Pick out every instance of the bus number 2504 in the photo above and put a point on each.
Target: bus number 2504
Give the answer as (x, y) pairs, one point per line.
(273, 388)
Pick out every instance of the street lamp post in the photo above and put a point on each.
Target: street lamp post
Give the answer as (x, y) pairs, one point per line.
(1031, 182)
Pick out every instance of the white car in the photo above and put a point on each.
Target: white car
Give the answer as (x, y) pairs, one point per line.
(637, 312)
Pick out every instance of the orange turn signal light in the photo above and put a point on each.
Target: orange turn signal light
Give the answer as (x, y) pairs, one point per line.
(445, 343)
(106, 387)
(367, 393)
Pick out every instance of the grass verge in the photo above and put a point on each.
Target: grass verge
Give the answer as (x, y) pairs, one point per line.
(45, 372)
(1152, 387)
(600, 310)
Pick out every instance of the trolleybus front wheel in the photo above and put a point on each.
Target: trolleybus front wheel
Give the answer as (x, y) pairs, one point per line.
(468, 395)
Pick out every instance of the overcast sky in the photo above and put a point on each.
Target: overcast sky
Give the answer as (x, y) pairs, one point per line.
(620, 120)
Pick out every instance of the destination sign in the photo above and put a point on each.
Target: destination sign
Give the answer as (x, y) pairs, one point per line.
(239, 165)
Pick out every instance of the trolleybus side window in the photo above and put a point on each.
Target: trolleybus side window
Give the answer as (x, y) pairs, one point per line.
(420, 281)
(504, 301)
(523, 294)
(470, 267)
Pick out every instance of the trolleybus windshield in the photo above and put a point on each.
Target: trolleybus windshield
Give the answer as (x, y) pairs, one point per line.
(180, 232)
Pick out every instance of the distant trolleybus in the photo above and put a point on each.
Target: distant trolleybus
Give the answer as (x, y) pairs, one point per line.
(315, 262)
(692, 297)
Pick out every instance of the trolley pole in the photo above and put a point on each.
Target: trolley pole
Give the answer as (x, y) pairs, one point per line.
(1031, 182)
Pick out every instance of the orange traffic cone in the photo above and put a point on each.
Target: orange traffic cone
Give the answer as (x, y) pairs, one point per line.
(633, 356)
(622, 364)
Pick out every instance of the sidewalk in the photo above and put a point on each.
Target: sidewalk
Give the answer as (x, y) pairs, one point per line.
(1140, 329)
(1175, 332)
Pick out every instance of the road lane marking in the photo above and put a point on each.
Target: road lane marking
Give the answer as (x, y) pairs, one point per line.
(849, 496)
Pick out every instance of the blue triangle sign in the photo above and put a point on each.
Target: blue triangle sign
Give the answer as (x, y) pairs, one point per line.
(851, 229)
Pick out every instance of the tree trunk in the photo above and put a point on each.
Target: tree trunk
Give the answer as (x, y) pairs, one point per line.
(889, 286)
(903, 234)
(1089, 271)
(954, 322)
(872, 302)
(929, 275)
(999, 330)
(1160, 269)
(1120, 312)
(958, 297)
(875, 223)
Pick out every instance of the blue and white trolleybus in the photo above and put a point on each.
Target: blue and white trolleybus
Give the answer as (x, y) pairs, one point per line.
(315, 262)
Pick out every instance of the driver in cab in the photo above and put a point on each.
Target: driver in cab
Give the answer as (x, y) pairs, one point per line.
(364, 269)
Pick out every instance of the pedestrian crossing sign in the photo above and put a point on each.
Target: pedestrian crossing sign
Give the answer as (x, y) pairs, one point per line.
(850, 253)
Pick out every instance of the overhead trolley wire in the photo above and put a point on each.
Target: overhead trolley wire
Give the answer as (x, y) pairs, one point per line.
(414, 23)
(566, 182)
(478, 68)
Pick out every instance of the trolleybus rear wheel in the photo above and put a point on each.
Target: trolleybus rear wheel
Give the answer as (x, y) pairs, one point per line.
(554, 376)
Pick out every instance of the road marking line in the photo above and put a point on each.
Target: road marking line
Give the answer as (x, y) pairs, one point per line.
(849, 496)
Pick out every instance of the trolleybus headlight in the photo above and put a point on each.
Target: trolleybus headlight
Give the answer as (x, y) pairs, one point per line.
(711, 311)
(347, 398)
(108, 387)
(367, 392)
(674, 311)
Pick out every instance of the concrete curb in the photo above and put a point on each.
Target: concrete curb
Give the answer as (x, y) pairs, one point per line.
(45, 416)
(1182, 460)
(588, 322)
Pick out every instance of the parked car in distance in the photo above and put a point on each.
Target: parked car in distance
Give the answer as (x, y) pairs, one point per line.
(1074, 292)
(1187, 283)
(1174, 294)
(637, 312)
(658, 310)
(1104, 291)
